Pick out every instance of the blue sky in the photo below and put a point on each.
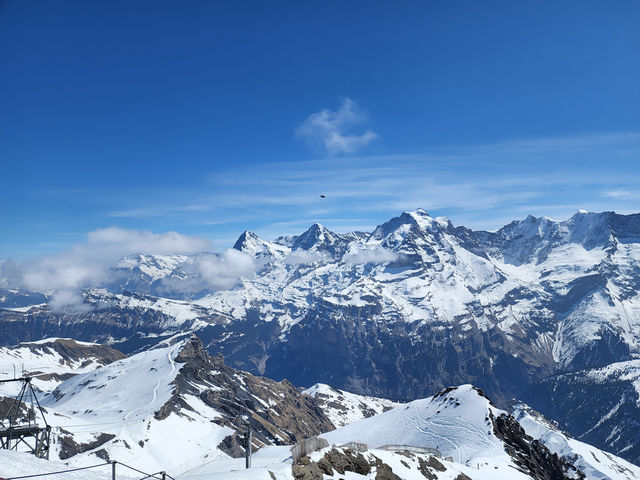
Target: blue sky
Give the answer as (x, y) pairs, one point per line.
(209, 118)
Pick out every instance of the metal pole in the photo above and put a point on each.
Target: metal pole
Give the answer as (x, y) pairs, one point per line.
(113, 470)
(164, 475)
(247, 451)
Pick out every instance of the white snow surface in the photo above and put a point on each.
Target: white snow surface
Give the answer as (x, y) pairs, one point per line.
(126, 393)
(38, 360)
(121, 399)
(343, 407)
(456, 423)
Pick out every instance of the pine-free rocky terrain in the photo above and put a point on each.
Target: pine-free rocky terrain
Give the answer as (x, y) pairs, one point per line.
(540, 311)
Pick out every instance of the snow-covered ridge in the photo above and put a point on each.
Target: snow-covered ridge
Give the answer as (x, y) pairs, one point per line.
(595, 463)
(344, 407)
(463, 424)
(457, 423)
(174, 407)
(51, 360)
(128, 420)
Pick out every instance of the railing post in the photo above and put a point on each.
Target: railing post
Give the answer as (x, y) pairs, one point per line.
(113, 470)
(247, 451)
(164, 475)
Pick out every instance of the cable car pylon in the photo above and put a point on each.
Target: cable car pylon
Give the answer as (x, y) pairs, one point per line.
(28, 431)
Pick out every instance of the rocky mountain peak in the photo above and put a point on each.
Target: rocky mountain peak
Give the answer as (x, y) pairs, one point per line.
(277, 412)
(316, 235)
(245, 238)
(192, 349)
(410, 223)
(253, 245)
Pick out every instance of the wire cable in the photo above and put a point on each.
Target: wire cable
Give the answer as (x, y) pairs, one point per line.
(57, 473)
(147, 475)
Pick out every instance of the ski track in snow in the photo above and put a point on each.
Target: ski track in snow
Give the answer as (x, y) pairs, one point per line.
(417, 419)
(173, 369)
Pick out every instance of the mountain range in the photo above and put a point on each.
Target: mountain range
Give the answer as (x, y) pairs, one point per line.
(541, 311)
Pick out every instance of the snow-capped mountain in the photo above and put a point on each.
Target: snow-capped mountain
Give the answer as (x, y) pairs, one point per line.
(177, 409)
(484, 441)
(343, 407)
(174, 407)
(398, 313)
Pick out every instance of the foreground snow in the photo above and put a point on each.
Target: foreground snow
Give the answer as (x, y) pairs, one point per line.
(122, 400)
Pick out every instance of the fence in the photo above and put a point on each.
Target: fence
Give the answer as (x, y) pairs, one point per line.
(357, 446)
(157, 475)
(411, 448)
(307, 446)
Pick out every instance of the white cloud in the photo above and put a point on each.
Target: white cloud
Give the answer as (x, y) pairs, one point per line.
(225, 271)
(376, 255)
(302, 257)
(621, 194)
(333, 129)
(89, 264)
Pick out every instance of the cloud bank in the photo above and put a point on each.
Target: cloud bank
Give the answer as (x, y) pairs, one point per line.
(334, 129)
(376, 255)
(89, 264)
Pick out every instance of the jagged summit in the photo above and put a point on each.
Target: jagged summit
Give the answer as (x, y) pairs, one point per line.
(253, 245)
(316, 235)
(418, 222)
(246, 237)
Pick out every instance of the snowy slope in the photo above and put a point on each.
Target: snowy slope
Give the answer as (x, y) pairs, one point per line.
(344, 407)
(482, 441)
(121, 400)
(50, 361)
(14, 464)
(174, 408)
(457, 423)
(462, 423)
(595, 463)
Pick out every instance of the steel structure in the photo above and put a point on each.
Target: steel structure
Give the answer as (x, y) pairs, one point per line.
(25, 427)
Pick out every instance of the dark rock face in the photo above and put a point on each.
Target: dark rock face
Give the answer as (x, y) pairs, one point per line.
(338, 461)
(69, 448)
(277, 412)
(384, 472)
(399, 361)
(20, 298)
(95, 326)
(345, 461)
(592, 409)
(7, 403)
(531, 456)
(310, 471)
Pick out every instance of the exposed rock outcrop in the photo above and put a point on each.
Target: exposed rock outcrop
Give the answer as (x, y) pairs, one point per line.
(276, 412)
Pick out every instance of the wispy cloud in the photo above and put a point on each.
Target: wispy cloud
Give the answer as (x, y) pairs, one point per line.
(335, 129)
(622, 194)
(482, 187)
